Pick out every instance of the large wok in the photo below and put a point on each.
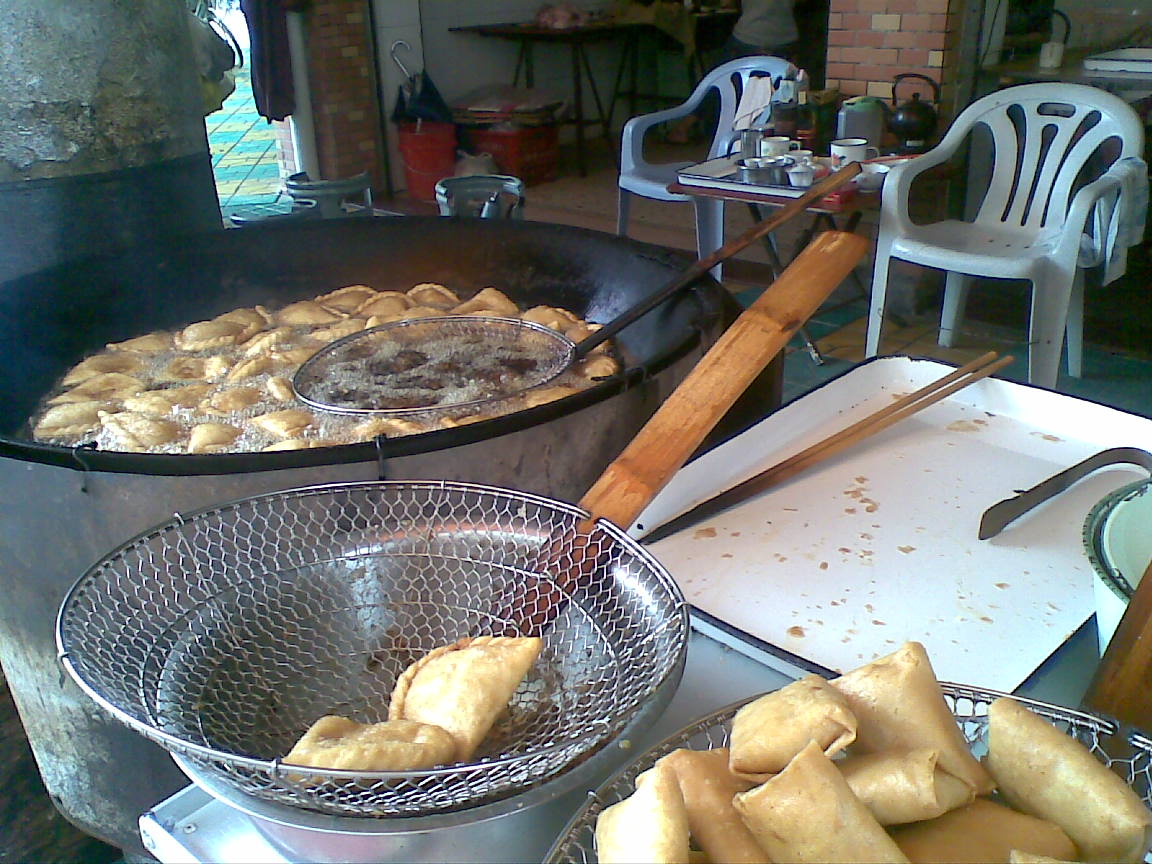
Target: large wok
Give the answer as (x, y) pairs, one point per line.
(75, 505)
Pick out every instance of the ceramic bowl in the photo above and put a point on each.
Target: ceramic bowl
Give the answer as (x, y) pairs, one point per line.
(1118, 540)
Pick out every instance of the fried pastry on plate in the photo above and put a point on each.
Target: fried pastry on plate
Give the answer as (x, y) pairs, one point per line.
(899, 705)
(1041, 770)
(464, 687)
(650, 826)
(396, 745)
(769, 731)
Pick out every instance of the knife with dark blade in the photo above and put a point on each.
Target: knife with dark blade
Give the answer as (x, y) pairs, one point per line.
(998, 516)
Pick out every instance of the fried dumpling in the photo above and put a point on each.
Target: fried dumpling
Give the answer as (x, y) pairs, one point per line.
(70, 420)
(384, 303)
(807, 813)
(264, 342)
(549, 316)
(708, 787)
(650, 826)
(1043, 771)
(433, 294)
(133, 431)
(104, 386)
(411, 313)
(347, 299)
(249, 368)
(543, 395)
(982, 831)
(212, 437)
(206, 335)
(464, 687)
(347, 327)
(899, 705)
(904, 787)
(292, 357)
(184, 369)
(297, 444)
(280, 389)
(306, 312)
(597, 366)
(162, 402)
(769, 731)
(251, 322)
(396, 745)
(389, 426)
(231, 400)
(490, 300)
(121, 361)
(285, 424)
(150, 343)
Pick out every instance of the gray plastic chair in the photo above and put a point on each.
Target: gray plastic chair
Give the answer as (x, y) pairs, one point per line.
(487, 196)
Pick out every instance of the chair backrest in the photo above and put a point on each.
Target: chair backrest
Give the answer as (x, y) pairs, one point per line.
(1044, 136)
(729, 80)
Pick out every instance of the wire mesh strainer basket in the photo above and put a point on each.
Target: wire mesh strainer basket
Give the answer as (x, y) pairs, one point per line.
(224, 634)
(576, 845)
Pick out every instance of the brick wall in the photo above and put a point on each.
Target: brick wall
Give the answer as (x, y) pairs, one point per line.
(872, 41)
(341, 76)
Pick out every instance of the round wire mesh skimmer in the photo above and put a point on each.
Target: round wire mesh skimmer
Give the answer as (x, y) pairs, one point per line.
(439, 363)
(224, 634)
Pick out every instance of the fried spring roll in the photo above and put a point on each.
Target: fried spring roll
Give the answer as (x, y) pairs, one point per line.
(650, 826)
(901, 787)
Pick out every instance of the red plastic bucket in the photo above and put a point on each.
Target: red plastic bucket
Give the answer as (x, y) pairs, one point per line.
(429, 154)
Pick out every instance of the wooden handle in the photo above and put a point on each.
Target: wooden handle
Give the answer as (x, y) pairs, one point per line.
(1122, 685)
(678, 427)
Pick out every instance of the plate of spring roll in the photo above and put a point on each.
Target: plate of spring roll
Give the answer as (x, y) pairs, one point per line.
(882, 764)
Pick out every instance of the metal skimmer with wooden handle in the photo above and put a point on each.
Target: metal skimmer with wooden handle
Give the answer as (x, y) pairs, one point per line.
(679, 426)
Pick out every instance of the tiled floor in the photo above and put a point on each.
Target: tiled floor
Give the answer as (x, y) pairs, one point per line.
(244, 152)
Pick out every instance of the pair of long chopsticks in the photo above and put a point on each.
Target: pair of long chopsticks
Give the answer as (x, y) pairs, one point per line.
(906, 406)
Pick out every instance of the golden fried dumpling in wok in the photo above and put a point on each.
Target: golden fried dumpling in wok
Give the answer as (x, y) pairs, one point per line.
(298, 444)
(306, 312)
(597, 366)
(162, 402)
(433, 294)
(251, 322)
(490, 301)
(410, 313)
(347, 299)
(212, 437)
(347, 327)
(543, 395)
(206, 335)
(396, 745)
(119, 361)
(464, 687)
(105, 386)
(384, 303)
(249, 367)
(70, 420)
(150, 343)
(289, 423)
(132, 431)
(280, 389)
(264, 342)
(389, 426)
(292, 357)
(230, 400)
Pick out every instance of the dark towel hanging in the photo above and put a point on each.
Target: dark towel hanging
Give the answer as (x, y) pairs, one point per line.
(271, 58)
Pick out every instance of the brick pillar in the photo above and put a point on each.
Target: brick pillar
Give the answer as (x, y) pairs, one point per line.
(871, 41)
(344, 105)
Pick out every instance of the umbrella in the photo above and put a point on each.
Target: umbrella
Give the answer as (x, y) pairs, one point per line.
(418, 98)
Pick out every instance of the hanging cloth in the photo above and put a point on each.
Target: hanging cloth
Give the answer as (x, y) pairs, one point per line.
(271, 58)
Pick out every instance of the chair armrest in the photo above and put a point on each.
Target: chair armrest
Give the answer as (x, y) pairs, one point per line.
(1083, 207)
(898, 187)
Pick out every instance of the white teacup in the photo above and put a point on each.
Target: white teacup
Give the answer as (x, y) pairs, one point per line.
(845, 150)
(801, 156)
(777, 145)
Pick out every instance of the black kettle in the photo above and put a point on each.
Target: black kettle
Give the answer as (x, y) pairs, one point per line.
(914, 122)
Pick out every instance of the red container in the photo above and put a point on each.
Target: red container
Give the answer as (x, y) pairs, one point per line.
(528, 152)
(428, 151)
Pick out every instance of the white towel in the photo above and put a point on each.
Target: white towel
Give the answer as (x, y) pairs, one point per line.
(756, 97)
(1119, 221)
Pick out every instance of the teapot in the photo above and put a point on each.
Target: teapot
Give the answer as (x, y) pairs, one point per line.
(914, 121)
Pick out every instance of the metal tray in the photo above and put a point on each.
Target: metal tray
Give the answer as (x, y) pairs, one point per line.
(968, 704)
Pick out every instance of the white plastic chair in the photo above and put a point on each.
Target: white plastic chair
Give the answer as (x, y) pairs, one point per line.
(1032, 224)
(651, 179)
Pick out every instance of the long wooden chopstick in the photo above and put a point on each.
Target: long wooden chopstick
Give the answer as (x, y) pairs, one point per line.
(943, 387)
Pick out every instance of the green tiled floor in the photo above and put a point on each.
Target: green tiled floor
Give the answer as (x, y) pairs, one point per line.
(245, 156)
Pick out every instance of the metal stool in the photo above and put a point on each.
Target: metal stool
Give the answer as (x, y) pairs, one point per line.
(488, 196)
